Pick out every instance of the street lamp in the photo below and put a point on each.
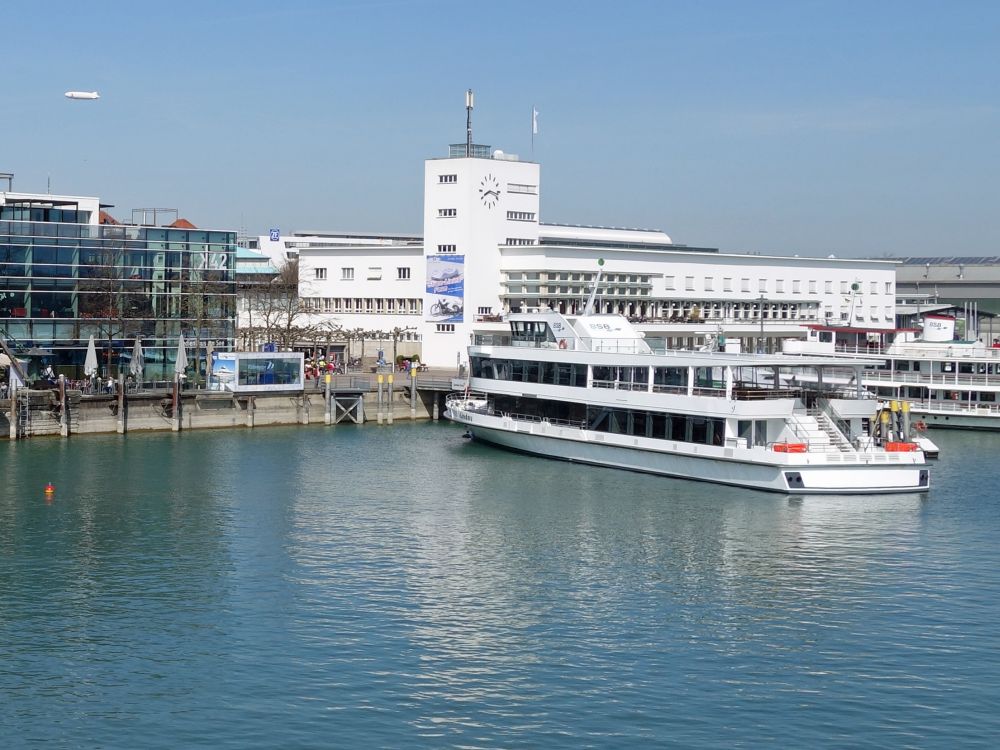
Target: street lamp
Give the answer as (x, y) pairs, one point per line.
(760, 310)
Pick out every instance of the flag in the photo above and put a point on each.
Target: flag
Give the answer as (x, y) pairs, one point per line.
(534, 121)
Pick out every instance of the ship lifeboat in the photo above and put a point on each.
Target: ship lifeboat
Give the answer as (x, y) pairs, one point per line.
(789, 447)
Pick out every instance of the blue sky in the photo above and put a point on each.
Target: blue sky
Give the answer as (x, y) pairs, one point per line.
(855, 128)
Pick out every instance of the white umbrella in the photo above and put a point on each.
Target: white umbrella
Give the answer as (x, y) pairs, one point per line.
(138, 360)
(182, 360)
(90, 363)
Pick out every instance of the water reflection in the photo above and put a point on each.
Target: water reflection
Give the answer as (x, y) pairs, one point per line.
(401, 586)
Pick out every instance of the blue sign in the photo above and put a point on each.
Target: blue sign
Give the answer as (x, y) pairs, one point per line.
(275, 234)
(270, 346)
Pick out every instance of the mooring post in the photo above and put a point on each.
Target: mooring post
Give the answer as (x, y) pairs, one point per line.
(63, 418)
(378, 409)
(121, 404)
(389, 405)
(175, 414)
(327, 416)
(413, 392)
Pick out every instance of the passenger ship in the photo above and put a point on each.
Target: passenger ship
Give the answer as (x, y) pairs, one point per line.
(593, 391)
(947, 382)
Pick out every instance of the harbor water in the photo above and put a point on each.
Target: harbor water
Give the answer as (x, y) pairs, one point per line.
(366, 587)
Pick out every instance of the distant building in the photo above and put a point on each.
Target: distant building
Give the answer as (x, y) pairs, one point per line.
(69, 270)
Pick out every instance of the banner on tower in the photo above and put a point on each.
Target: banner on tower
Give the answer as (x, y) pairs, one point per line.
(445, 299)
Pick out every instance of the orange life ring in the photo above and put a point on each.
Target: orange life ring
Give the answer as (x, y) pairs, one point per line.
(562, 343)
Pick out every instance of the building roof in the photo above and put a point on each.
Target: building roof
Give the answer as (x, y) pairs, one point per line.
(182, 224)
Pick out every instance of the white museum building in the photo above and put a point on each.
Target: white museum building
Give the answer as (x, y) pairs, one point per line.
(484, 252)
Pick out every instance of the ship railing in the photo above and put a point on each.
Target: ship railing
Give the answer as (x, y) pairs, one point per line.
(937, 378)
(956, 406)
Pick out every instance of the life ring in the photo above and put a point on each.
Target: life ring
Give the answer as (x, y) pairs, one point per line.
(562, 343)
(920, 425)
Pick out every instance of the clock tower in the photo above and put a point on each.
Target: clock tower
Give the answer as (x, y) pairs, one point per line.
(475, 201)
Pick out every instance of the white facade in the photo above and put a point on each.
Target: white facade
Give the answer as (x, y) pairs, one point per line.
(484, 253)
(472, 206)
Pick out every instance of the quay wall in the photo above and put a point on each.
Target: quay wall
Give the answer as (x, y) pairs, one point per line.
(205, 410)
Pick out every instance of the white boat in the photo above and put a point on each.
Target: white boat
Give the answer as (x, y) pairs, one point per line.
(948, 383)
(591, 390)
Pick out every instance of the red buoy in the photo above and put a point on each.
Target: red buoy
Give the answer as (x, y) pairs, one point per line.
(49, 489)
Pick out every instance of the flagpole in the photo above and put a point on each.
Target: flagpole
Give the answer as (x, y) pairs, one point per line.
(532, 132)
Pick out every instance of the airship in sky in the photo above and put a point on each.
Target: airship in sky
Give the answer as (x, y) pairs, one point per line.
(82, 95)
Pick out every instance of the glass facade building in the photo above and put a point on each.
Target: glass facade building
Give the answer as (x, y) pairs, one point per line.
(66, 276)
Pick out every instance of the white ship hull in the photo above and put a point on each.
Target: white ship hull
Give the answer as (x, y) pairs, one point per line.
(754, 468)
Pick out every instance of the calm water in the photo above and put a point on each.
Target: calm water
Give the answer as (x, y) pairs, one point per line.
(402, 587)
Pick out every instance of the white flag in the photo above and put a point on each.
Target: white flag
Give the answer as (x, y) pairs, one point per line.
(534, 121)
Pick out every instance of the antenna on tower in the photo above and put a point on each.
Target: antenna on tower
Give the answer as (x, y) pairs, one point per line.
(469, 101)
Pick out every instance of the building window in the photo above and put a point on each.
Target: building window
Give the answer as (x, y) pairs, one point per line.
(445, 327)
(744, 285)
(447, 178)
(874, 287)
(347, 274)
(519, 241)
(320, 273)
(779, 286)
(727, 284)
(761, 285)
(843, 288)
(668, 282)
(521, 215)
(374, 273)
(796, 286)
(709, 283)
(828, 287)
(446, 248)
(873, 314)
(516, 187)
(812, 286)
(402, 273)
(447, 213)
(888, 287)
(485, 310)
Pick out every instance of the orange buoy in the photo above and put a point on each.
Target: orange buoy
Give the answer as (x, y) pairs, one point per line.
(49, 489)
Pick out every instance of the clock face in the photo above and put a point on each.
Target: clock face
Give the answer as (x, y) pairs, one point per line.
(489, 191)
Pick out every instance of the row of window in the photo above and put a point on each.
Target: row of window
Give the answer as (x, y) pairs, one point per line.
(374, 273)
(683, 428)
(451, 213)
(391, 305)
(575, 374)
(512, 187)
(780, 286)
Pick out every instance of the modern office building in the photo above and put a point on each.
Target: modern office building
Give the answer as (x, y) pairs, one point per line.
(69, 270)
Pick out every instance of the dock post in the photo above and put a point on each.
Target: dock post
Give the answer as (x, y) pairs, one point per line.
(327, 416)
(434, 411)
(175, 414)
(413, 393)
(63, 417)
(12, 416)
(120, 427)
(390, 404)
(378, 409)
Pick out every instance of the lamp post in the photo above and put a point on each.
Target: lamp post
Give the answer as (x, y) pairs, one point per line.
(760, 311)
